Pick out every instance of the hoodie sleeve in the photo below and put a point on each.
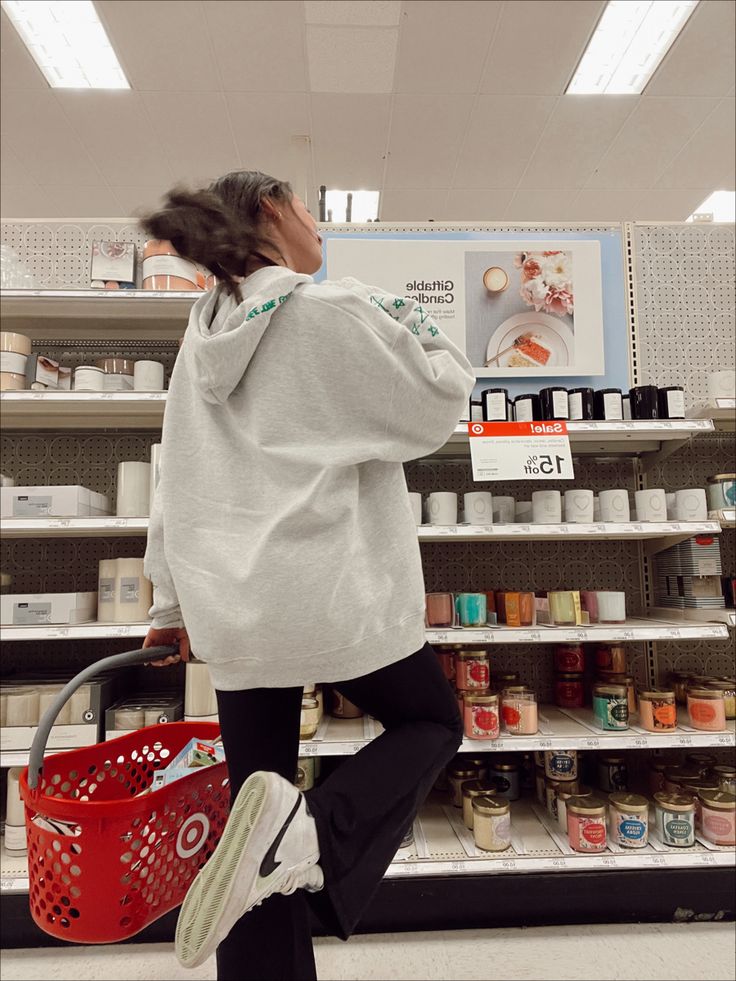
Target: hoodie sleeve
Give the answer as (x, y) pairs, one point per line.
(165, 612)
(407, 384)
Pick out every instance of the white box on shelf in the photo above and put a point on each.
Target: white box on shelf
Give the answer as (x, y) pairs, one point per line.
(69, 501)
(38, 609)
(18, 738)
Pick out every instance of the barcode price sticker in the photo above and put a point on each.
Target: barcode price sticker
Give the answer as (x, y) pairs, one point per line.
(520, 451)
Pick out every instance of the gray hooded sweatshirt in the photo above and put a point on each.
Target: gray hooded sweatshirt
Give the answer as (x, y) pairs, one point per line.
(282, 534)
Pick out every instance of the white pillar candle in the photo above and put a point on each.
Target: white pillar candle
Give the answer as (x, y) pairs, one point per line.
(134, 489)
(134, 595)
(155, 472)
(22, 709)
(15, 817)
(199, 698)
(79, 704)
(107, 589)
(130, 718)
(46, 696)
(148, 376)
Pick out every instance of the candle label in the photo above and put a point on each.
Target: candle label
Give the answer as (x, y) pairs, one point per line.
(680, 831)
(664, 714)
(31, 614)
(575, 401)
(107, 591)
(129, 588)
(524, 410)
(720, 827)
(675, 404)
(613, 406)
(26, 506)
(702, 712)
(484, 722)
(562, 763)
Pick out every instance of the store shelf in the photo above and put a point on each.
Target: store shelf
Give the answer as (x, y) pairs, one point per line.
(96, 314)
(658, 535)
(13, 871)
(635, 629)
(630, 438)
(73, 527)
(444, 846)
(697, 616)
(726, 517)
(77, 631)
(723, 415)
(82, 410)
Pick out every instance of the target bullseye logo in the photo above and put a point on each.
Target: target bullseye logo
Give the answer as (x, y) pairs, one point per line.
(477, 429)
(192, 835)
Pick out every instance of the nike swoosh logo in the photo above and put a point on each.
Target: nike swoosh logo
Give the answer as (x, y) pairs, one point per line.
(269, 863)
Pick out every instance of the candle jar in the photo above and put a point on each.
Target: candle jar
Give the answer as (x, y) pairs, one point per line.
(554, 403)
(614, 678)
(496, 405)
(608, 404)
(527, 408)
(342, 708)
(440, 609)
(564, 607)
(117, 374)
(611, 657)
(165, 269)
(675, 815)
(728, 687)
(540, 784)
(726, 776)
(629, 820)
(586, 824)
(519, 711)
(657, 767)
(491, 824)
(580, 403)
(644, 402)
(457, 776)
(706, 709)
(612, 773)
(505, 778)
(472, 671)
(552, 788)
(480, 716)
(611, 706)
(472, 789)
(679, 682)
(658, 710)
(512, 609)
(718, 816)
(471, 609)
(672, 402)
(561, 764)
(676, 776)
(446, 657)
(526, 609)
(506, 679)
(569, 658)
(564, 791)
(569, 690)
(310, 718)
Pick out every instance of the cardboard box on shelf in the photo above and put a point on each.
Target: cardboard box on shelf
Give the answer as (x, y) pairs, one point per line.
(45, 609)
(71, 501)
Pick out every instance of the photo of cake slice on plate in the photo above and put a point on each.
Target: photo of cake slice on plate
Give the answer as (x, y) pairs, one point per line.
(533, 343)
(531, 347)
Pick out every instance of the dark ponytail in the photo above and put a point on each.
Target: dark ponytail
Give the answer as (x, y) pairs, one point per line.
(220, 227)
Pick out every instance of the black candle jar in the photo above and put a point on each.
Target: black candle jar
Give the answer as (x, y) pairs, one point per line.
(608, 404)
(672, 402)
(644, 402)
(495, 405)
(527, 408)
(581, 403)
(554, 402)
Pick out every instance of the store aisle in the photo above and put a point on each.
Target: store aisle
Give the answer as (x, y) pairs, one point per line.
(658, 952)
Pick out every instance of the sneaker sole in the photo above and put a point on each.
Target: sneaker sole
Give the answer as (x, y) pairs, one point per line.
(214, 901)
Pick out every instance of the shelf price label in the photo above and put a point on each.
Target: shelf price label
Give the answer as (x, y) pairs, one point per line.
(520, 451)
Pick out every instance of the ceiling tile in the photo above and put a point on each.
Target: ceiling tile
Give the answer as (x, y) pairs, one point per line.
(465, 29)
(18, 70)
(652, 135)
(502, 135)
(412, 204)
(263, 129)
(575, 139)
(134, 201)
(604, 205)
(367, 13)
(658, 204)
(35, 127)
(114, 128)
(259, 46)
(530, 204)
(701, 61)
(351, 59)
(193, 159)
(159, 51)
(356, 159)
(445, 117)
(12, 169)
(708, 159)
(471, 204)
(538, 45)
(25, 202)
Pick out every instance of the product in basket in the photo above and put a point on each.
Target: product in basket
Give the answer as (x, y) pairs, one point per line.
(196, 754)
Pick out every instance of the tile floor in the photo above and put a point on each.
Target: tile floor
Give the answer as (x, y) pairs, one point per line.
(656, 952)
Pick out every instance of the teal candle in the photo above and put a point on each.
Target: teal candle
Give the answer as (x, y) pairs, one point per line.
(472, 609)
(611, 706)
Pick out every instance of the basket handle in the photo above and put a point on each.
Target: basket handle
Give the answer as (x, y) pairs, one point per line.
(38, 747)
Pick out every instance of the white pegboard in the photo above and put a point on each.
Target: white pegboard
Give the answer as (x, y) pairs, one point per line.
(686, 321)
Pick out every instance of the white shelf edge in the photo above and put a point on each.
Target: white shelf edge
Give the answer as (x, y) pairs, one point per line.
(82, 398)
(72, 527)
(78, 631)
(692, 616)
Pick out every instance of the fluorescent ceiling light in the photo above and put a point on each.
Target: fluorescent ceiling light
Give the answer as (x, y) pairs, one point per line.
(365, 205)
(720, 205)
(630, 41)
(68, 43)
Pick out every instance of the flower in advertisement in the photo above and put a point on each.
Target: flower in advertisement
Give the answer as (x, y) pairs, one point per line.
(546, 281)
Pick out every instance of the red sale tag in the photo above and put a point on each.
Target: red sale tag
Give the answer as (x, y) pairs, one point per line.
(520, 450)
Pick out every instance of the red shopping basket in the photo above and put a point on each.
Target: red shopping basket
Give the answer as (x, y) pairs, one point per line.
(106, 859)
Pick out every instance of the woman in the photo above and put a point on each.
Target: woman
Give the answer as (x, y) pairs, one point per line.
(283, 547)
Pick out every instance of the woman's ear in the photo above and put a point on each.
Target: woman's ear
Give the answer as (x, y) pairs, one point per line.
(269, 210)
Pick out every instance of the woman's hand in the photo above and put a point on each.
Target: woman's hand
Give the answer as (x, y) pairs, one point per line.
(168, 638)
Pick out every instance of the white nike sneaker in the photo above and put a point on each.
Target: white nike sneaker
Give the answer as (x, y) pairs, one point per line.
(269, 845)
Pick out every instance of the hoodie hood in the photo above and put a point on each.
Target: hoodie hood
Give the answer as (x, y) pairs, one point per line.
(223, 335)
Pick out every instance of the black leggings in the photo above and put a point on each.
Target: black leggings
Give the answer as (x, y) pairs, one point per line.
(362, 810)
